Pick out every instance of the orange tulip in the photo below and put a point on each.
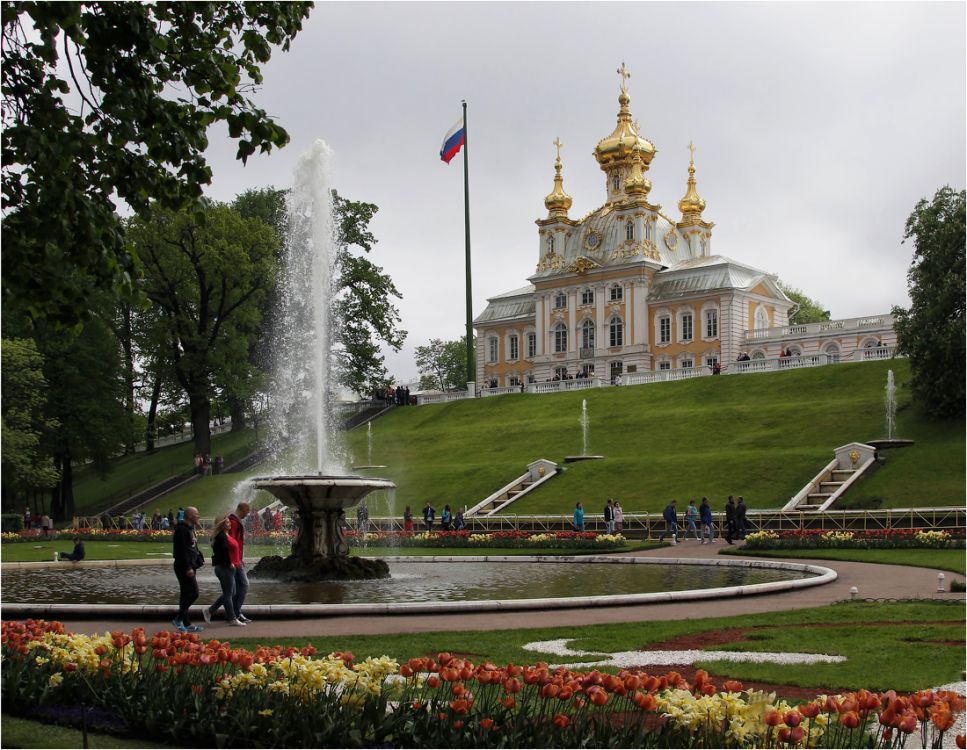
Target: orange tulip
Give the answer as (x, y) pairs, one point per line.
(908, 722)
(632, 682)
(598, 698)
(508, 701)
(850, 719)
(795, 735)
(512, 686)
(783, 734)
(459, 706)
(772, 718)
(405, 671)
(831, 704)
(961, 741)
(444, 657)
(433, 681)
(561, 721)
(810, 710)
(550, 690)
(791, 719)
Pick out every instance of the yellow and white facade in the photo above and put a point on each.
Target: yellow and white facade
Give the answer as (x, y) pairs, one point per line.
(627, 288)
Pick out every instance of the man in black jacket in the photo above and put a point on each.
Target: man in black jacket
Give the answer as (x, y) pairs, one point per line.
(78, 554)
(188, 559)
(730, 520)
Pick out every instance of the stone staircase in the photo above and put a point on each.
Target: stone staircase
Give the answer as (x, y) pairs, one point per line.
(851, 462)
(538, 472)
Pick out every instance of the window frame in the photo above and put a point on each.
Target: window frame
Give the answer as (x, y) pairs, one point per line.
(587, 326)
(530, 343)
(560, 338)
(513, 347)
(664, 336)
(616, 293)
(560, 297)
(711, 323)
(616, 331)
(493, 349)
(587, 296)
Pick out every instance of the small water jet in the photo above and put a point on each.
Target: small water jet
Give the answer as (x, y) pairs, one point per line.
(585, 428)
(302, 393)
(891, 440)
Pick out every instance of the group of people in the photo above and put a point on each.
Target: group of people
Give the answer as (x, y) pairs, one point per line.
(614, 517)
(701, 516)
(449, 521)
(228, 550)
(41, 522)
(204, 465)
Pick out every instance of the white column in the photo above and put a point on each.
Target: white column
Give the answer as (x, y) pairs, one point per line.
(630, 290)
(600, 295)
(539, 324)
(641, 312)
(572, 304)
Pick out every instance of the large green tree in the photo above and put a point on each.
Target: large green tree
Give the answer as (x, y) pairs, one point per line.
(931, 331)
(207, 280)
(24, 423)
(443, 364)
(807, 310)
(111, 101)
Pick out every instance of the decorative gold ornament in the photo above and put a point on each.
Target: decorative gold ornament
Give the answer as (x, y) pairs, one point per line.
(540, 471)
(551, 262)
(854, 456)
(582, 265)
(671, 239)
(557, 201)
(592, 241)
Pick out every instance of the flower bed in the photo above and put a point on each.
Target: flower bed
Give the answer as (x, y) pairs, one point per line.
(878, 539)
(496, 539)
(173, 687)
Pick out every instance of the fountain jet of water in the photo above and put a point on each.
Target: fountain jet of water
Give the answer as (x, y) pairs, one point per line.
(890, 405)
(584, 427)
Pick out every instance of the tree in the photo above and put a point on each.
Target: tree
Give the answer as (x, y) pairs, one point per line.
(931, 331)
(807, 310)
(112, 101)
(207, 280)
(25, 466)
(443, 364)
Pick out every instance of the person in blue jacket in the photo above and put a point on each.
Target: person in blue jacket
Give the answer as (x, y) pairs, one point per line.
(705, 512)
(670, 514)
(579, 517)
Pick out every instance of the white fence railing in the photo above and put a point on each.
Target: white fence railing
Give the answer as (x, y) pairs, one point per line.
(441, 398)
(559, 386)
(663, 376)
(830, 326)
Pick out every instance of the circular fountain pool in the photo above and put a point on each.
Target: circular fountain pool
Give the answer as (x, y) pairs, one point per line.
(416, 584)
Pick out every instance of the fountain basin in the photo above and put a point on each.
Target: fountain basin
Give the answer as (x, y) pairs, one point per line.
(883, 444)
(572, 459)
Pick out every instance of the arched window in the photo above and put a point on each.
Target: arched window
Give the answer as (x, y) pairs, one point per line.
(761, 318)
(616, 182)
(629, 230)
(550, 243)
(832, 351)
(560, 338)
(587, 334)
(617, 293)
(616, 331)
(758, 355)
(587, 296)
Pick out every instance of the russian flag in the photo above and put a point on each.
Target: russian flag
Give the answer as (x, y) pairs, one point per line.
(453, 141)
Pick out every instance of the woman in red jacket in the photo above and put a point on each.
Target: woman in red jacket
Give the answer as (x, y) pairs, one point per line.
(226, 557)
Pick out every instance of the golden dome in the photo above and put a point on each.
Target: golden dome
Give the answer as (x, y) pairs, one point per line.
(692, 204)
(636, 184)
(624, 140)
(557, 201)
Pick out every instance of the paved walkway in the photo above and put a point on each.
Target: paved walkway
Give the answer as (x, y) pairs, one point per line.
(873, 581)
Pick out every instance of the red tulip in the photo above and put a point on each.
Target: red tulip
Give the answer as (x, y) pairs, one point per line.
(850, 719)
(561, 721)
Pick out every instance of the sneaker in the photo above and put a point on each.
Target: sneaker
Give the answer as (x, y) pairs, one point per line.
(177, 624)
(236, 623)
(193, 628)
(244, 620)
(206, 613)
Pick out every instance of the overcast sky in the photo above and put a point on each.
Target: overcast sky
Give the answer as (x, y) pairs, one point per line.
(818, 127)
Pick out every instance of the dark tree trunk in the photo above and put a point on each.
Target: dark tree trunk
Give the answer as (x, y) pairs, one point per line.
(201, 408)
(62, 496)
(236, 408)
(127, 345)
(152, 430)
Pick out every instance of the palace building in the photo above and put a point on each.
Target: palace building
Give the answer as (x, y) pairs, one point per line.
(628, 289)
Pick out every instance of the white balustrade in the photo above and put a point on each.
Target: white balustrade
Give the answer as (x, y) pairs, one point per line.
(664, 376)
(874, 353)
(806, 329)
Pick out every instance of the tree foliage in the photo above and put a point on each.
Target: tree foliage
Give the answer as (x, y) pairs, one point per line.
(807, 310)
(112, 101)
(443, 364)
(931, 331)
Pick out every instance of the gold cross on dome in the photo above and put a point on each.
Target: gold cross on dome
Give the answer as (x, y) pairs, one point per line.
(625, 75)
(691, 150)
(557, 142)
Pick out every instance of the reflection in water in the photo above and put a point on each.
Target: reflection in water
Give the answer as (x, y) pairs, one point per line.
(410, 582)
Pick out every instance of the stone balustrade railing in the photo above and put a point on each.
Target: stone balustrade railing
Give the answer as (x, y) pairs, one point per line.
(832, 327)
(560, 386)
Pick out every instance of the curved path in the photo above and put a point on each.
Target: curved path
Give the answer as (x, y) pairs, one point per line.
(872, 581)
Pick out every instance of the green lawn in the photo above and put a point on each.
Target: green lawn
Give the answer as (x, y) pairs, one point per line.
(131, 474)
(940, 559)
(19, 732)
(920, 654)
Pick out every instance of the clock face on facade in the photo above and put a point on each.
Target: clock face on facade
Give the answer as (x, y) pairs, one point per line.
(593, 240)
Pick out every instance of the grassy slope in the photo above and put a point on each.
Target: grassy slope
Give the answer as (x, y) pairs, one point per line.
(762, 436)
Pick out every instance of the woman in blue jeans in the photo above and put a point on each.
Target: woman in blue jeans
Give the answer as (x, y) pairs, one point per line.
(226, 558)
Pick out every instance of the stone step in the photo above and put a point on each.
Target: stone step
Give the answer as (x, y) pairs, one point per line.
(808, 507)
(819, 497)
(835, 486)
(845, 473)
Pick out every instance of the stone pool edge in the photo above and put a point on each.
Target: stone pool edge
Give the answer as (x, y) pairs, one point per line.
(821, 576)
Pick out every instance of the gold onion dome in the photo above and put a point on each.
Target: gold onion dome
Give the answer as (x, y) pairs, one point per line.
(692, 204)
(636, 184)
(557, 201)
(624, 141)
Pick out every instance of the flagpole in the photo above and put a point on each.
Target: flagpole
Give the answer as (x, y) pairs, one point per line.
(471, 360)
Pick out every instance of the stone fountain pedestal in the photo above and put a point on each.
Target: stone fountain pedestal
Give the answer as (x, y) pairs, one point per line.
(320, 551)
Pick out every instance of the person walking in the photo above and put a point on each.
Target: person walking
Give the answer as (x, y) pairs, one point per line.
(578, 517)
(740, 524)
(705, 515)
(670, 514)
(730, 520)
(188, 559)
(609, 517)
(691, 520)
(619, 517)
(446, 517)
(237, 531)
(428, 515)
(225, 559)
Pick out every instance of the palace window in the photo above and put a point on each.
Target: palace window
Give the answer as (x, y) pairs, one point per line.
(617, 332)
(587, 296)
(686, 326)
(616, 183)
(617, 293)
(531, 345)
(711, 324)
(550, 244)
(560, 301)
(629, 230)
(664, 365)
(616, 369)
(686, 364)
(664, 329)
(560, 338)
(514, 347)
(513, 380)
(832, 351)
(587, 334)
(560, 373)
(493, 349)
(761, 318)
(711, 361)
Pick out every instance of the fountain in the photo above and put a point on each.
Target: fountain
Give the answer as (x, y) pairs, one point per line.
(302, 383)
(891, 441)
(585, 424)
(369, 451)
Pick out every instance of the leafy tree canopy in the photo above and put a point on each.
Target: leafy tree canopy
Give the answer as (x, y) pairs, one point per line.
(443, 364)
(931, 331)
(112, 101)
(807, 310)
